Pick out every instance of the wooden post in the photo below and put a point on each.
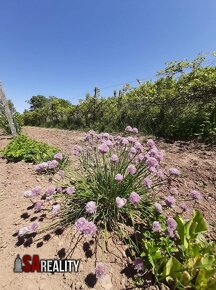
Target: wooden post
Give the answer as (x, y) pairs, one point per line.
(7, 111)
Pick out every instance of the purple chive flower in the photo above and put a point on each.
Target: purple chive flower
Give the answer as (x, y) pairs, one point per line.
(135, 130)
(183, 206)
(32, 228)
(140, 157)
(103, 148)
(196, 195)
(150, 143)
(158, 207)
(131, 139)
(124, 141)
(152, 162)
(100, 271)
(70, 190)
(89, 228)
(134, 198)
(156, 227)
(28, 193)
(76, 150)
(120, 202)
(174, 171)
(50, 190)
(91, 207)
(132, 169)
(114, 158)
(138, 264)
(171, 223)
(23, 231)
(58, 156)
(132, 150)
(56, 209)
(87, 137)
(52, 164)
(174, 191)
(138, 146)
(36, 190)
(153, 169)
(147, 182)
(170, 201)
(41, 167)
(118, 177)
(109, 143)
(38, 206)
(80, 223)
(129, 129)
(160, 173)
(106, 135)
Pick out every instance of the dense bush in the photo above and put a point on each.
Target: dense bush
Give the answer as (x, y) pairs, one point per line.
(181, 104)
(29, 150)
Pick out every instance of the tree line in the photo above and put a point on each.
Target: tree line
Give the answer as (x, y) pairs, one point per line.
(179, 105)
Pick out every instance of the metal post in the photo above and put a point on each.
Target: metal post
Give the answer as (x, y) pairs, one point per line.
(7, 111)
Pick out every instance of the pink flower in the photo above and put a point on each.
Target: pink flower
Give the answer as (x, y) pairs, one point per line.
(38, 206)
(56, 209)
(138, 264)
(131, 139)
(70, 190)
(135, 130)
(100, 271)
(109, 143)
(118, 177)
(85, 227)
(196, 195)
(138, 146)
(33, 227)
(152, 162)
(50, 190)
(129, 129)
(132, 169)
(28, 193)
(36, 190)
(114, 158)
(156, 227)
(52, 164)
(23, 231)
(158, 207)
(170, 201)
(171, 227)
(132, 150)
(120, 202)
(150, 143)
(76, 150)
(134, 198)
(91, 207)
(140, 157)
(103, 148)
(148, 182)
(160, 174)
(58, 156)
(183, 206)
(174, 171)
(61, 173)
(124, 141)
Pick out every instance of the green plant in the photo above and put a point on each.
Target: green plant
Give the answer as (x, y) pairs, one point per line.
(186, 261)
(29, 150)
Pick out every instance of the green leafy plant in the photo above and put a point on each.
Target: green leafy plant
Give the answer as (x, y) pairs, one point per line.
(186, 261)
(29, 150)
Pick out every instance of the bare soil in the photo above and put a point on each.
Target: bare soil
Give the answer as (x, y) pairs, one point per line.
(196, 161)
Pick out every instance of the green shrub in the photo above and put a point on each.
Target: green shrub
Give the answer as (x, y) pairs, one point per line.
(29, 150)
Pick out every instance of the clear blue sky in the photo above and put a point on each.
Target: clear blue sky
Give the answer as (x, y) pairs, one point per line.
(66, 47)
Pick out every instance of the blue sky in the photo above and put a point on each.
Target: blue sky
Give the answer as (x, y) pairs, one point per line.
(66, 47)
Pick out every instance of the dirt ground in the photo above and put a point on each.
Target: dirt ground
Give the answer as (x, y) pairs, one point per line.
(197, 163)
